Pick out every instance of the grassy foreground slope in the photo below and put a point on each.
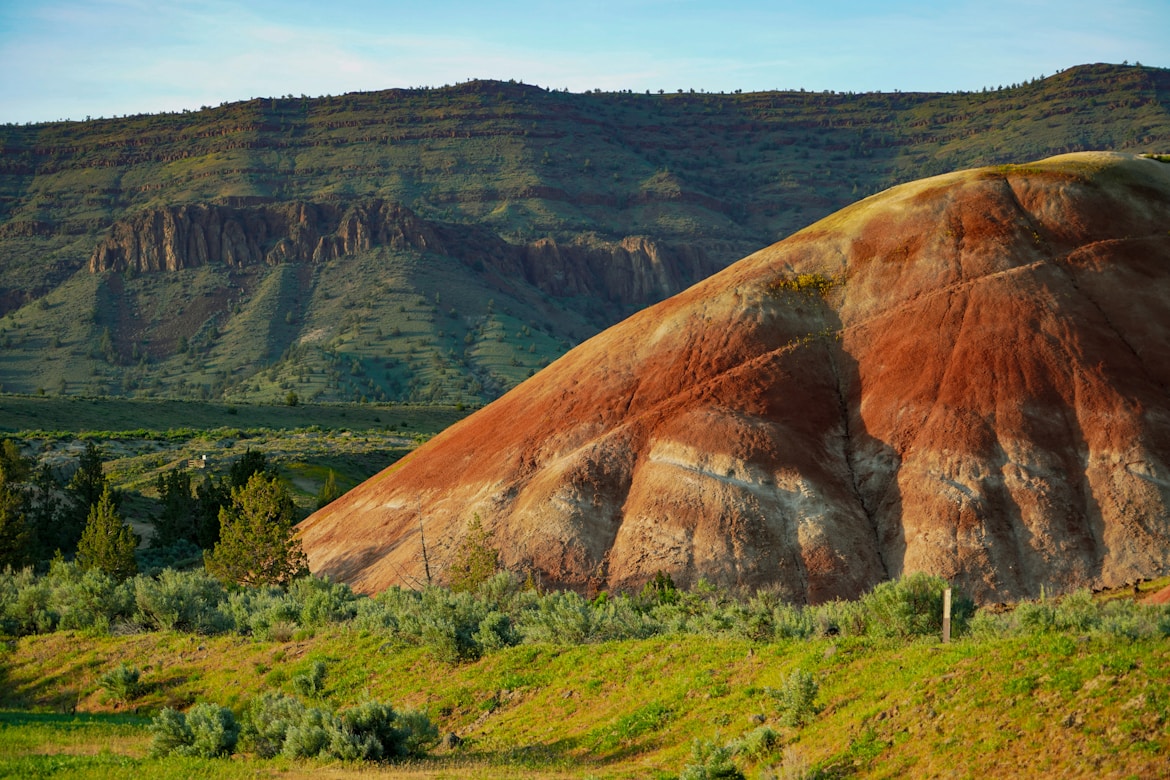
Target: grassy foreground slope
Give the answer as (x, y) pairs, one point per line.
(1030, 704)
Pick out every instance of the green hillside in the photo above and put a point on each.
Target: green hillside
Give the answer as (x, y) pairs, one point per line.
(640, 195)
(1053, 690)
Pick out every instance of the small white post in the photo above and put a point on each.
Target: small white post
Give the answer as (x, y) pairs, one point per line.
(946, 637)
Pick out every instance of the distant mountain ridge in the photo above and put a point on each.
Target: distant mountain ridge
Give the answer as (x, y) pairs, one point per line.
(491, 225)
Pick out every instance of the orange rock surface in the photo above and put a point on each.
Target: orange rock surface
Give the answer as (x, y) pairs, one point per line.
(965, 375)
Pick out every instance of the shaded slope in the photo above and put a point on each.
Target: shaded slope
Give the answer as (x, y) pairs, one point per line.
(965, 375)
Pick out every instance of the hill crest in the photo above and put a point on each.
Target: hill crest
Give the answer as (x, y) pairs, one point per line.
(963, 375)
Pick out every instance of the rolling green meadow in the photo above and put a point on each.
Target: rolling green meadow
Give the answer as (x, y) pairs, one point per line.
(1069, 692)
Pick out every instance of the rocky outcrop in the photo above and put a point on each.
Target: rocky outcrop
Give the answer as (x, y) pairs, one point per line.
(633, 271)
(188, 236)
(966, 375)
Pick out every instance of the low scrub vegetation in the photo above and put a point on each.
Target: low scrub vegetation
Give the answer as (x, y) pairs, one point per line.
(711, 683)
(458, 626)
(278, 724)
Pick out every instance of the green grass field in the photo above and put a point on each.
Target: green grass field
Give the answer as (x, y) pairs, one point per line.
(1049, 705)
(101, 417)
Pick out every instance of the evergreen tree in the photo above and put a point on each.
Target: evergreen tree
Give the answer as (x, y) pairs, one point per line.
(178, 519)
(107, 543)
(329, 492)
(16, 539)
(89, 481)
(251, 462)
(43, 510)
(210, 497)
(256, 544)
(85, 489)
(16, 467)
(475, 560)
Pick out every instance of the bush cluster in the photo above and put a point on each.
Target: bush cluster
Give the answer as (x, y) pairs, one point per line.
(502, 612)
(277, 724)
(1078, 613)
(122, 683)
(796, 699)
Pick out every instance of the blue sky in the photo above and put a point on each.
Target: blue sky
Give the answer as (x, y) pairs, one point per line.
(76, 58)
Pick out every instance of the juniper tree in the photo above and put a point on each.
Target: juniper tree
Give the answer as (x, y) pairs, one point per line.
(106, 542)
(85, 489)
(16, 540)
(211, 496)
(16, 467)
(256, 544)
(329, 491)
(89, 481)
(251, 462)
(178, 519)
(474, 561)
(43, 511)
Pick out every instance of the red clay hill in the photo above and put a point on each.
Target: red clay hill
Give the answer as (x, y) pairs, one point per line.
(965, 375)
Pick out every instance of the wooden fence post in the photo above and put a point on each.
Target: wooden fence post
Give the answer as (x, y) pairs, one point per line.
(946, 637)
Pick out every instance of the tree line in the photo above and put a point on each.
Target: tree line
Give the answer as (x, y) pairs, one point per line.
(241, 522)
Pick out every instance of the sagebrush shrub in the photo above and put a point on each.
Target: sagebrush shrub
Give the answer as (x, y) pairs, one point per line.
(495, 632)
(796, 699)
(758, 742)
(839, 618)
(310, 736)
(214, 731)
(311, 683)
(278, 724)
(169, 732)
(180, 601)
(989, 625)
(500, 591)
(446, 623)
(206, 731)
(321, 602)
(261, 611)
(418, 734)
(31, 611)
(710, 762)
(565, 617)
(1133, 621)
(67, 597)
(268, 720)
(1076, 612)
(122, 682)
(912, 606)
(87, 598)
(1035, 616)
(372, 731)
(792, 622)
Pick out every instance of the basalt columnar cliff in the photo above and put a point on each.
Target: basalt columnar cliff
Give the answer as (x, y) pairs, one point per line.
(444, 244)
(966, 375)
(632, 271)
